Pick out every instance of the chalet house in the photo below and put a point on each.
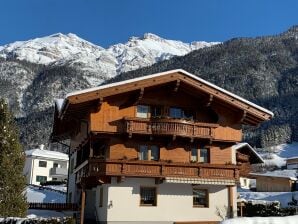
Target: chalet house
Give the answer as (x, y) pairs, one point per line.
(43, 165)
(246, 157)
(292, 163)
(280, 181)
(156, 148)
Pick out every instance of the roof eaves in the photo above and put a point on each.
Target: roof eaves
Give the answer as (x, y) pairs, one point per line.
(165, 73)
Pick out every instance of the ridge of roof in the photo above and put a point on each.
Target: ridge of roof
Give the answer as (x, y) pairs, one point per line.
(165, 73)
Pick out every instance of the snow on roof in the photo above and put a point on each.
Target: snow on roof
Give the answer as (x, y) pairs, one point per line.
(243, 144)
(290, 174)
(59, 103)
(294, 157)
(166, 73)
(46, 154)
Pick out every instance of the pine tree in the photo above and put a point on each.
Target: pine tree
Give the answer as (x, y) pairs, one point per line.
(12, 182)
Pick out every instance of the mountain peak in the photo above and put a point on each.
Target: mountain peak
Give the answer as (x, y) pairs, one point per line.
(151, 36)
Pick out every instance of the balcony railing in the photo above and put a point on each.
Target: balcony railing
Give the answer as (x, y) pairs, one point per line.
(58, 171)
(174, 127)
(139, 168)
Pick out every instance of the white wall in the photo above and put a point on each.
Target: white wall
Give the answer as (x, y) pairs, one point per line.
(32, 169)
(174, 202)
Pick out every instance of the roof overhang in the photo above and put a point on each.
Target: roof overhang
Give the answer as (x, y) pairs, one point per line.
(82, 100)
(246, 148)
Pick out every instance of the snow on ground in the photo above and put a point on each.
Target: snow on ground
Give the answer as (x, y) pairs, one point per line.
(62, 188)
(276, 155)
(263, 220)
(35, 194)
(282, 197)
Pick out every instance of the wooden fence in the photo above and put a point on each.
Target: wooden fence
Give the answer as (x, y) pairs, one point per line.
(53, 206)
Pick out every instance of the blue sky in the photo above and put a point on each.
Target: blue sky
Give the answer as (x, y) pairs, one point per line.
(106, 22)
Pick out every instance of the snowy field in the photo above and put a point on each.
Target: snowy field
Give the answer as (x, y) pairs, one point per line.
(34, 194)
(263, 220)
(282, 197)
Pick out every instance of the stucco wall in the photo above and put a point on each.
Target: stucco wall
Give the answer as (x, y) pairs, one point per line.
(174, 202)
(32, 169)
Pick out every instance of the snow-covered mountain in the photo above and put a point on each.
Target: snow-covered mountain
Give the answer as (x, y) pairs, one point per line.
(35, 72)
(59, 49)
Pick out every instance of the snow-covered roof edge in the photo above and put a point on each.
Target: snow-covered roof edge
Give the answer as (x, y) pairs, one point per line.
(272, 175)
(242, 144)
(294, 157)
(46, 154)
(165, 73)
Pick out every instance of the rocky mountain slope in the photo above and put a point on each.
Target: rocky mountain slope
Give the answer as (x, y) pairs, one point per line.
(263, 70)
(35, 72)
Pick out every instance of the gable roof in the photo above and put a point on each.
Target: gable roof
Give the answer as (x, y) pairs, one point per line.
(102, 87)
(46, 154)
(241, 146)
(80, 102)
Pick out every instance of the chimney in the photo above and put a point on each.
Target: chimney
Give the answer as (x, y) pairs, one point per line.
(41, 147)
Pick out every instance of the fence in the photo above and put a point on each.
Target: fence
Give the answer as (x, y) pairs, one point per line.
(53, 206)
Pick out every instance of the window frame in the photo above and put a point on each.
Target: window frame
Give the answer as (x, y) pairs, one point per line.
(149, 152)
(148, 113)
(42, 161)
(206, 205)
(194, 149)
(155, 198)
(208, 155)
(38, 176)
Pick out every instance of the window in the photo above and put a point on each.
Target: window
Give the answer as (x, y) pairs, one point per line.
(143, 111)
(194, 155)
(176, 112)
(149, 152)
(155, 111)
(148, 196)
(154, 152)
(200, 197)
(42, 164)
(41, 179)
(204, 155)
(55, 165)
(188, 114)
(143, 152)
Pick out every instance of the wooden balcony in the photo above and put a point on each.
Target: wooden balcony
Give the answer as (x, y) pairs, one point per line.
(139, 168)
(171, 127)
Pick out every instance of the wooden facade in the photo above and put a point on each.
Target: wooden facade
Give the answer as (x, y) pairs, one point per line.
(164, 125)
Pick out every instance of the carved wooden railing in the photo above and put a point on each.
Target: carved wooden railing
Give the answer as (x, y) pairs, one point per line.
(140, 168)
(175, 127)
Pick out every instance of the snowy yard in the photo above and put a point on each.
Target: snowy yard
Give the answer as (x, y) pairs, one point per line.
(34, 194)
(263, 220)
(282, 197)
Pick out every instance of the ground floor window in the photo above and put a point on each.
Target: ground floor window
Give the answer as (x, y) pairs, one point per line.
(148, 196)
(200, 197)
(41, 179)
